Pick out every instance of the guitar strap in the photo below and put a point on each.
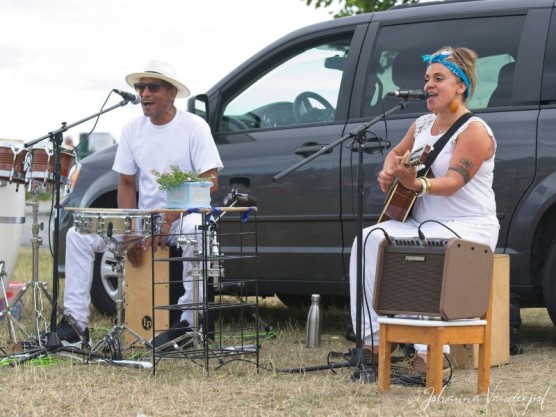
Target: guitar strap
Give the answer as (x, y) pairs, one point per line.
(439, 145)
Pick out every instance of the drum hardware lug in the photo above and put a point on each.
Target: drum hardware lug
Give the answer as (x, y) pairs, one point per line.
(127, 226)
(37, 226)
(159, 220)
(184, 240)
(100, 225)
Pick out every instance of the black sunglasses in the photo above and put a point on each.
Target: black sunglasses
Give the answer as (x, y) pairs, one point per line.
(154, 86)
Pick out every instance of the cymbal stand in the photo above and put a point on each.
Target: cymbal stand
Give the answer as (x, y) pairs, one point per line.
(38, 288)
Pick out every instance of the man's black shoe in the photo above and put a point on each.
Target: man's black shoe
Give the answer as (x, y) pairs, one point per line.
(350, 334)
(69, 336)
(177, 330)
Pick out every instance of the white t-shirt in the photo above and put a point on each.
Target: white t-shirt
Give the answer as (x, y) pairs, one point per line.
(475, 201)
(186, 142)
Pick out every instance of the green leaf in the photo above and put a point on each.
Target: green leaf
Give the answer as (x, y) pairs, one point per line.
(176, 177)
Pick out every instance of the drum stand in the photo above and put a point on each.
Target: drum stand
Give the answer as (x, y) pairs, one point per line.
(39, 288)
(114, 338)
(56, 137)
(196, 274)
(206, 270)
(195, 336)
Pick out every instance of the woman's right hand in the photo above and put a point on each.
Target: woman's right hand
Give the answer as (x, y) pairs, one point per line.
(394, 158)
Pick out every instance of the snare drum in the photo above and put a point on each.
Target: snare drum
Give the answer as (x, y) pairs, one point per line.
(13, 161)
(43, 162)
(115, 223)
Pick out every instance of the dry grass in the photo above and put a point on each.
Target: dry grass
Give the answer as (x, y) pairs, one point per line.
(526, 386)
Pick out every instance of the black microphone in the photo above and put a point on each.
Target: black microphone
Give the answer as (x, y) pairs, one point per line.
(418, 94)
(132, 98)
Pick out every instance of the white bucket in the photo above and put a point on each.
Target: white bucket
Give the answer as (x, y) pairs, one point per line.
(12, 219)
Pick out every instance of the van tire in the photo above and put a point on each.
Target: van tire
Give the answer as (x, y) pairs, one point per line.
(104, 286)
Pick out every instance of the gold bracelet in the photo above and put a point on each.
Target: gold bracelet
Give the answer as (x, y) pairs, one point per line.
(429, 185)
(423, 188)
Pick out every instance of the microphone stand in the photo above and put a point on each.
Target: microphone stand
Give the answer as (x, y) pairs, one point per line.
(56, 137)
(357, 357)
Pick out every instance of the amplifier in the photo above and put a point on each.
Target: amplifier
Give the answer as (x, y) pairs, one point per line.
(446, 278)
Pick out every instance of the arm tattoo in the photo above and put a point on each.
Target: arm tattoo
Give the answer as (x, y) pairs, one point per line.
(463, 168)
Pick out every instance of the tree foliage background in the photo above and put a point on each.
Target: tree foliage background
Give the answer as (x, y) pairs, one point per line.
(351, 7)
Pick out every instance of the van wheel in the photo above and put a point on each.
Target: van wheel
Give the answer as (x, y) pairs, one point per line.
(549, 282)
(104, 289)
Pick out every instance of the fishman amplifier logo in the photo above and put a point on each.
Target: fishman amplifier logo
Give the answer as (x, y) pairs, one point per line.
(415, 258)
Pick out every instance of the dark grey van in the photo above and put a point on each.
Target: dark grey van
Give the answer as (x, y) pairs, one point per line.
(316, 84)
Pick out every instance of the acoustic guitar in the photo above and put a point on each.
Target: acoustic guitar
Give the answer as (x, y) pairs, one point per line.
(399, 199)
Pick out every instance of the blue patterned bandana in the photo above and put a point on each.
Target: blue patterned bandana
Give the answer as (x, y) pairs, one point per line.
(440, 58)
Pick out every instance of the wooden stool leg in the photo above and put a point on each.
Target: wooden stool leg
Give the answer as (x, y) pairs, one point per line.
(384, 359)
(434, 363)
(483, 377)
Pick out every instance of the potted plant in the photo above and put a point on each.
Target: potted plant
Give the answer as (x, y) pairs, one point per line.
(184, 189)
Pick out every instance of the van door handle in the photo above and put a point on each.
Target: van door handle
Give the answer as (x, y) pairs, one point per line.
(309, 148)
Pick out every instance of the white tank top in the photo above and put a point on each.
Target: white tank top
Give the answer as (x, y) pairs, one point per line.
(475, 201)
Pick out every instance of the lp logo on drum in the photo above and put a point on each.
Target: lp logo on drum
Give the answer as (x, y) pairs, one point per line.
(147, 322)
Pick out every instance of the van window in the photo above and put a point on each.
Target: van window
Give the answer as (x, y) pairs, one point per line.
(302, 89)
(397, 62)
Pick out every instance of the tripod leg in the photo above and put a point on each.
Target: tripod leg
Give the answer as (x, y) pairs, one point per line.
(137, 338)
(6, 312)
(40, 323)
(37, 287)
(38, 308)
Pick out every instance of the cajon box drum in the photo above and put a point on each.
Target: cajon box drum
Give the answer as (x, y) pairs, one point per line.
(467, 356)
(446, 278)
(138, 295)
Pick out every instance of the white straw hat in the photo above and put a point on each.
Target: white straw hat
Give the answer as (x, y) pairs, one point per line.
(160, 70)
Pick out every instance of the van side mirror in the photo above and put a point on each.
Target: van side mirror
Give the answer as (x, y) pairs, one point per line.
(199, 105)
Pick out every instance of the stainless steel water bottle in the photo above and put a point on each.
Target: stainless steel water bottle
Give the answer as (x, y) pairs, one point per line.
(314, 322)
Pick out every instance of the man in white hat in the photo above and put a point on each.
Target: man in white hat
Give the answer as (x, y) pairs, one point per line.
(163, 136)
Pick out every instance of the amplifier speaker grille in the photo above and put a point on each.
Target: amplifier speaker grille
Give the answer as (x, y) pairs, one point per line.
(451, 281)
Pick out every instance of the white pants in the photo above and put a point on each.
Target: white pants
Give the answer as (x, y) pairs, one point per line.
(80, 257)
(373, 236)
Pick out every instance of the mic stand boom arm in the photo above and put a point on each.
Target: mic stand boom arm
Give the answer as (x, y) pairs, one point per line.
(53, 342)
(357, 134)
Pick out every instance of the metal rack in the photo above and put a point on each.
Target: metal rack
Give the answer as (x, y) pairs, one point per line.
(226, 325)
